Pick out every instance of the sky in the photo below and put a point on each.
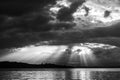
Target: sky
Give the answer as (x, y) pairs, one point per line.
(24, 21)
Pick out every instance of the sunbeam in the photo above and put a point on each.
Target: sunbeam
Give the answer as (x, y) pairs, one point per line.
(86, 56)
(33, 54)
(81, 54)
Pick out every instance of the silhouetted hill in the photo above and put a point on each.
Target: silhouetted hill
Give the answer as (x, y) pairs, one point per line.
(25, 65)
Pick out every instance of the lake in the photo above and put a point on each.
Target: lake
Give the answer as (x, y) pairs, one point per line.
(60, 74)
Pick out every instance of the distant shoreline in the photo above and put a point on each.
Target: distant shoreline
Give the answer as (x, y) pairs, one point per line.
(15, 65)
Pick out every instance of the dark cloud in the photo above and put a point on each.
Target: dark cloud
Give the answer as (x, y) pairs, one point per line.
(65, 14)
(32, 25)
(27, 29)
(35, 28)
(20, 7)
(111, 31)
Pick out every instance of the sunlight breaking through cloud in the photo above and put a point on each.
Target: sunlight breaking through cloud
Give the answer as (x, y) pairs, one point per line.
(86, 55)
(33, 54)
(81, 53)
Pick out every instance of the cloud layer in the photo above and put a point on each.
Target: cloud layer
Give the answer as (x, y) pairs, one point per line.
(24, 21)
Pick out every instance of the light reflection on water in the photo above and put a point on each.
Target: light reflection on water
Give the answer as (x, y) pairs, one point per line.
(60, 74)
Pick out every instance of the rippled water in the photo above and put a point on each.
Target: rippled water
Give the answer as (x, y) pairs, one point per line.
(60, 74)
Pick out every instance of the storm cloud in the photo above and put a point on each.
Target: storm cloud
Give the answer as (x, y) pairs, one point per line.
(65, 14)
(18, 7)
(28, 21)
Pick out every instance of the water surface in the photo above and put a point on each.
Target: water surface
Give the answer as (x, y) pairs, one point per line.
(60, 74)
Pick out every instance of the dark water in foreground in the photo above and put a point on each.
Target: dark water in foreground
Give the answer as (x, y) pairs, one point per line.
(60, 74)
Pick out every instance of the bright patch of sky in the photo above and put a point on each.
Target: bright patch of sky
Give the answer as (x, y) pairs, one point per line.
(96, 14)
(53, 53)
